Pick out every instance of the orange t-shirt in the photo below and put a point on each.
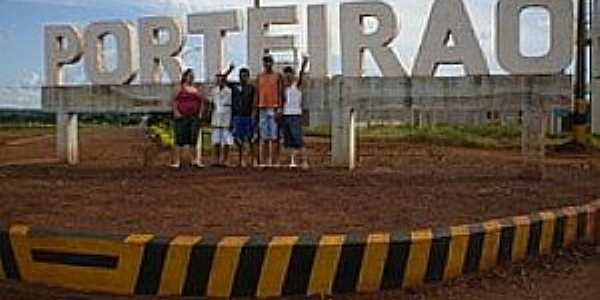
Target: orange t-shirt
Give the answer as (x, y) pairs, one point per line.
(268, 91)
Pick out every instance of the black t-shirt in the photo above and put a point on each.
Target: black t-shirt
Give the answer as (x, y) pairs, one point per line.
(242, 97)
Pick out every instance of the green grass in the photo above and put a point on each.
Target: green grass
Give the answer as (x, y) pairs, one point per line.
(595, 141)
(491, 136)
(18, 126)
(317, 131)
(465, 136)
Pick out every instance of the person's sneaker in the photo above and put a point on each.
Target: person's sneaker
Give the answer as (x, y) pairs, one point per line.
(293, 166)
(175, 166)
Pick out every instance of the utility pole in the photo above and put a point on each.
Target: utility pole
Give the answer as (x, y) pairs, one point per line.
(595, 103)
(580, 105)
(580, 74)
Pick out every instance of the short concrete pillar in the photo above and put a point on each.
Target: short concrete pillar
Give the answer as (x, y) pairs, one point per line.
(67, 138)
(343, 137)
(533, 137)
(352, 142)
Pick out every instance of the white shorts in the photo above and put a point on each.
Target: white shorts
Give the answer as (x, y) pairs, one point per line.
(222, 136)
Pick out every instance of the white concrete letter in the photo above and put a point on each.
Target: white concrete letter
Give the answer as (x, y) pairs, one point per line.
(63, 45)
(449, 18)
(318, 41)
(559, 56)
(259, 42)
(214, 27)
(154, 54)
(355, 41)
(127, 52)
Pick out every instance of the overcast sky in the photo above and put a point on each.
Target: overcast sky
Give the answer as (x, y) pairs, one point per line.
(22, 21)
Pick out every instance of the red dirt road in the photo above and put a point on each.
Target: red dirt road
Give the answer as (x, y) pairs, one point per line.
(110, 192)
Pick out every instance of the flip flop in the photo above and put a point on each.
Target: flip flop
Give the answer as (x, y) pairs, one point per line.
(198, 165)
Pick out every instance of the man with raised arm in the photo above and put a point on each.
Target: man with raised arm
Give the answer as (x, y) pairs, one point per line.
(292, 114)
(244, 113)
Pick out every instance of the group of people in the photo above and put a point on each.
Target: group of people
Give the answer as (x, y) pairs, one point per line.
(243, 114)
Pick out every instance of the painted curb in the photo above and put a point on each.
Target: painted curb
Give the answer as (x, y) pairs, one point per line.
(263, 267)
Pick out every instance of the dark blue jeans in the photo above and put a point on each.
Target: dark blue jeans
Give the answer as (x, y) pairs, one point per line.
(292, 132)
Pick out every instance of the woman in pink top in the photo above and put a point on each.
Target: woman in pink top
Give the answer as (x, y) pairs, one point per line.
(187, 108)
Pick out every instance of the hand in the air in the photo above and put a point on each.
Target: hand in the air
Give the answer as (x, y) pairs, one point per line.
(304, 60)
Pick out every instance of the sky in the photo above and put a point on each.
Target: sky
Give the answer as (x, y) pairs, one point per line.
(22, 21)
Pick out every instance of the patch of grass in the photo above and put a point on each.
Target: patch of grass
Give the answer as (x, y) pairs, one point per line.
(24, 125)
(317, 131)
(491, 136)
(595, 141)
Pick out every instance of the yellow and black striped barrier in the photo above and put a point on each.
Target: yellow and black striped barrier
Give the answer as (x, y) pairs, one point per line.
(262, 267)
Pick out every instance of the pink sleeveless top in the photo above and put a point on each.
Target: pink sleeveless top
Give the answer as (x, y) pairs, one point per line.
(188, 104)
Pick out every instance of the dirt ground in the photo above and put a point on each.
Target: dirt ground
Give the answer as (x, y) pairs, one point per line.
(411, 186)
(421, 186)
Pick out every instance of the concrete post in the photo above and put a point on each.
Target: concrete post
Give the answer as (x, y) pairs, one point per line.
(67, 138)
(342, 130)
(533, 134)
(352, 142)
(63, 45)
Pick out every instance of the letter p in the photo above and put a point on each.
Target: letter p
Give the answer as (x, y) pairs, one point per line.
(63, 45)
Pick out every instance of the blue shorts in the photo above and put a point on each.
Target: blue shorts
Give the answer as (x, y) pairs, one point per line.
(268, 125)
(243, 129)
(292, 132)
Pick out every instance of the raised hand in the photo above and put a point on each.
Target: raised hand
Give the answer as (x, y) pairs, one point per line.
(229, 70)
(304, 61)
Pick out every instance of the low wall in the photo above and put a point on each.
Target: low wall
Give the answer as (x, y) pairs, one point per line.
(255, 266)
(453, 100)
